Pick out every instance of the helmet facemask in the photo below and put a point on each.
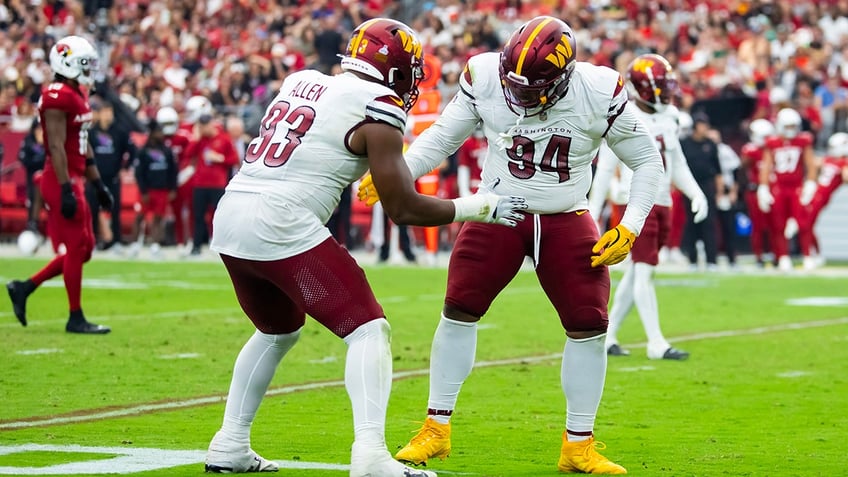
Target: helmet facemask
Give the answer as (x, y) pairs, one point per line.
(536, 65)
(529, 100)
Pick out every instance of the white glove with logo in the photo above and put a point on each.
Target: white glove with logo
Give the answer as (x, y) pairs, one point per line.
(489, 208)
(700, 208)
(764, 198)
(808, 192)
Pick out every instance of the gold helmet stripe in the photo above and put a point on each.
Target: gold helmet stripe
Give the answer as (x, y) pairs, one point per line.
(529, 41)
(354, 44)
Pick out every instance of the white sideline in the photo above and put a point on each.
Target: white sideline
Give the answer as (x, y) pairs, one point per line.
(169, 406)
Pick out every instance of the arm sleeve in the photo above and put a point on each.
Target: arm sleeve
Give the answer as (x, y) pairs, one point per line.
(681, 175)
(604, 175)
(630, 141)
(446, 135)
(140, 169)
(172, 170)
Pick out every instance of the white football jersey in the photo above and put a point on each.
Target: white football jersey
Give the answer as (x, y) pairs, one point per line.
(545, 158)
(293, 174)
(665, 129)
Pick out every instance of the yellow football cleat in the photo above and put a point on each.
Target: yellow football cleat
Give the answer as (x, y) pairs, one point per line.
(582, 457)
(432, 440)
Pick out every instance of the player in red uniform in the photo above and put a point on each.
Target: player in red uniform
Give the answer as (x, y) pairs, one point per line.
(752, 156)
(832, 174)
(65, 118)
(182, 136)
(789, 157)
(471, 156)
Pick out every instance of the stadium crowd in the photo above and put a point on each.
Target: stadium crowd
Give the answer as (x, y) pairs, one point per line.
(736, 60)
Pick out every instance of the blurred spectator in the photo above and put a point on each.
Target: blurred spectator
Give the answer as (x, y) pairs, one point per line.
(214, 156)
(32, 155)
(113, 152)
(702, 156)
(726, 200)
(156, 175)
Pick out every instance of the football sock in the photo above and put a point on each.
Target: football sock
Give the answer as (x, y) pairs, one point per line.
(368, 379)
(76, 317)
(451, 360)
(72, 274)
(28, 286)
(645, 297)
(52, 269)
(621, 304)
(254, 368)
(584, 368)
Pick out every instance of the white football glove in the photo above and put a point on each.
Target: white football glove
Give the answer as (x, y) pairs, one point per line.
(700, 208)
(764, 198)
(489, 208)
(808, 192)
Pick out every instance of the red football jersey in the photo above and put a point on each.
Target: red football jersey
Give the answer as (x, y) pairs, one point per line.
(472, 153)
(752, 156)
(74, 102)
(830, 176)
(178, 143)
(788, 155)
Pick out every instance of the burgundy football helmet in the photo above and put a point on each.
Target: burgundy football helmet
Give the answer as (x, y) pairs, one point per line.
(536, 65)
(390, 52)
(652, 81)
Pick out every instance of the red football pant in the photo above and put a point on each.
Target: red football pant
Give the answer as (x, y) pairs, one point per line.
(76, 234)
(760, 227)
(787, 204)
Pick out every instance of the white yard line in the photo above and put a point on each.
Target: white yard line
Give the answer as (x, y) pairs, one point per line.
(169, 406)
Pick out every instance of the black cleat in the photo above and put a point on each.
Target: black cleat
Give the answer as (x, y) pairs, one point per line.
(616, 350)
(675, 354)
(18, 294)
(86, 328)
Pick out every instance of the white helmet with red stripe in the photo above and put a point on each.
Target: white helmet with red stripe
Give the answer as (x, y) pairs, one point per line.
(788, 123)
(837, 145)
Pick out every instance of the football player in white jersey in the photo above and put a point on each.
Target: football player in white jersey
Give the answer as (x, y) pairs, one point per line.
(544, 115)
(319, 134)
(652, 84)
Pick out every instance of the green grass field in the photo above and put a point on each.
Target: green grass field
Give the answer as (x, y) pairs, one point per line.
(764, 394)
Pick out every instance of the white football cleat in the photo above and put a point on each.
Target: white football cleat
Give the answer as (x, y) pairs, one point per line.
(379, 463)
(236, 460)
(784, 264)
(810, 263)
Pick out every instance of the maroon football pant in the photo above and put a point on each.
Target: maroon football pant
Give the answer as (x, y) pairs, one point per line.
(324, 282)
(653, 237)
(486, 257)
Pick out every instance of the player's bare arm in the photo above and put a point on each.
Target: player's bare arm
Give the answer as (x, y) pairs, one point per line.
(55, 123)
(383, 144)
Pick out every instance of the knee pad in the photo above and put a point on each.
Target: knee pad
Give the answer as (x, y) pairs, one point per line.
(586, 318)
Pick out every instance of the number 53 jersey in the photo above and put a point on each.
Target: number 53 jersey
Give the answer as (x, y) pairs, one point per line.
(294, 172)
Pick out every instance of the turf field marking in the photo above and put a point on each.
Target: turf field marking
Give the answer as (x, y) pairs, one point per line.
(128, 460)
(818, 301)
(181, 356)
(140, 316)
(124, 460)
(94, 415)
(793, 374)
(30, 352)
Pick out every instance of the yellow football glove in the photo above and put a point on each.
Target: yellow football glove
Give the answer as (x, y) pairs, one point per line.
(367, 192)
(615, 243)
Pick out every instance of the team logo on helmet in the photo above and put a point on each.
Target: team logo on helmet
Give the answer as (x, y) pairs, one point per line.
(562, 53)
(63, 50)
